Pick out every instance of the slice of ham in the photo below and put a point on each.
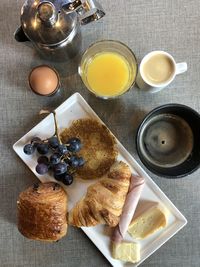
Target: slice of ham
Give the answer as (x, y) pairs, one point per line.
(132, 199)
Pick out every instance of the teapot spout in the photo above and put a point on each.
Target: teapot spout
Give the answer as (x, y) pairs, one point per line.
(20, 35)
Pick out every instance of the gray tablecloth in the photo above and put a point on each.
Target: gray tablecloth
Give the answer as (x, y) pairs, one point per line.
(144, 25)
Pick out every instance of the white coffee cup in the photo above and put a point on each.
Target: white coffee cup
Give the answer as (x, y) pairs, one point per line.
(148, 85)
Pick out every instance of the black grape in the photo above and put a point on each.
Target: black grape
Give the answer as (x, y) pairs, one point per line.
(42, 168)
(29, 149)
(62, 149)
(74, 161)
(60, 168)
(43, 148)
(43, 159)
(81, 162)
(74, 145)
(67, 179)
(55, 158)
(36, 141)
(53, 142)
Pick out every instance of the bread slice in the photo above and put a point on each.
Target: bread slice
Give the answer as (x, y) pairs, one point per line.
(99, 150)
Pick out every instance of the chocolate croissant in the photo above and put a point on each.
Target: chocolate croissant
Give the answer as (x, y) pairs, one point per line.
(42, 212)
(104, 199)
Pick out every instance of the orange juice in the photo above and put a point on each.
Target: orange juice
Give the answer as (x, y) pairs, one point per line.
(108, 74)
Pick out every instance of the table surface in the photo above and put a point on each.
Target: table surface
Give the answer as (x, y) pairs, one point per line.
(144, 25)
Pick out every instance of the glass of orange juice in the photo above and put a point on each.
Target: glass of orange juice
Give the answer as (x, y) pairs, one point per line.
(108, 68)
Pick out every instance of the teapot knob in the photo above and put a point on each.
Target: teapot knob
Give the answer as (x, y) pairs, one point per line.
(47, 13)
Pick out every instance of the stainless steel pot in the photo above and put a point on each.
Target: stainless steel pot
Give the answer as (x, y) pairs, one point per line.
(54, 26)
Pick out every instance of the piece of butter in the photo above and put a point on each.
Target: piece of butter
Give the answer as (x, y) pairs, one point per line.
(148, 222)
(126, 251)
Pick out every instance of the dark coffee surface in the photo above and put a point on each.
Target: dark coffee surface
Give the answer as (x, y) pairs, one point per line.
(167, 141)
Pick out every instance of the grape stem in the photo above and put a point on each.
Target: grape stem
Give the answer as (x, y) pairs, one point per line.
(46, 111)
(56, 127)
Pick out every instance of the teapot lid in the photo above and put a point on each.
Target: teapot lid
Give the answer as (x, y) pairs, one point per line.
(45, 22)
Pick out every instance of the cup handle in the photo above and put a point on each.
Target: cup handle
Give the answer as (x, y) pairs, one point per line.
(181, 67)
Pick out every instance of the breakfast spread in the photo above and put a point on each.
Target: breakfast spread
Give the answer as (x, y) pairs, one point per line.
(148, 222)
(103, 206)
(98, 150)
(42, 212)
(126, 251)
(111, 200)
(86, 151)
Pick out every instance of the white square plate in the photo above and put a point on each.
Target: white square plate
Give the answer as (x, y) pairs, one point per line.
(76, 107)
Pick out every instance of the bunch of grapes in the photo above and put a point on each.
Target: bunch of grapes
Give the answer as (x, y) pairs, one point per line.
(63, 160)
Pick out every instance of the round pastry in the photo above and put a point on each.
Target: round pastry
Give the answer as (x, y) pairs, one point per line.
(42, 212)
(98, 151)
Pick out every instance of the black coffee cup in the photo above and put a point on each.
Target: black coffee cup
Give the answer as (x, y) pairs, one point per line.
(168, 141)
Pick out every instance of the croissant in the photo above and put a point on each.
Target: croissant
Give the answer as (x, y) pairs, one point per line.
(104, 199)
(42, 212)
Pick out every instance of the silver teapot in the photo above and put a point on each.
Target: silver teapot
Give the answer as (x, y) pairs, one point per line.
(54, 26)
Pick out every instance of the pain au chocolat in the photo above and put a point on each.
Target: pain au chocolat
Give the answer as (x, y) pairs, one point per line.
(42, 212)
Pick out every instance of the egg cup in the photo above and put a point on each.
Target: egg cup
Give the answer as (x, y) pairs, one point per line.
(58, 84)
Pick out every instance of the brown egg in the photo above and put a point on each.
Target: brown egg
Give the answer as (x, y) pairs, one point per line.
(43, 80)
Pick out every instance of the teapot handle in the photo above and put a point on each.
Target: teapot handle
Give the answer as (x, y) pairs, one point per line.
(20, 35)
(87, 10)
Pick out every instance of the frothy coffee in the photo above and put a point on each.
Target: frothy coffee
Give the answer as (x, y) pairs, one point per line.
(158, 69)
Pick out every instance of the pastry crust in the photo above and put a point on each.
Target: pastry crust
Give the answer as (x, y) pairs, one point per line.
(104, 199)
(42, 212)
(98, 149)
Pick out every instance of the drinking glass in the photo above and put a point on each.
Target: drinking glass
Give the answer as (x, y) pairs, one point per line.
(109, 46)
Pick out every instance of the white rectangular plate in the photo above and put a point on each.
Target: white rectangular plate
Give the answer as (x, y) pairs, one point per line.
(76, 107)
